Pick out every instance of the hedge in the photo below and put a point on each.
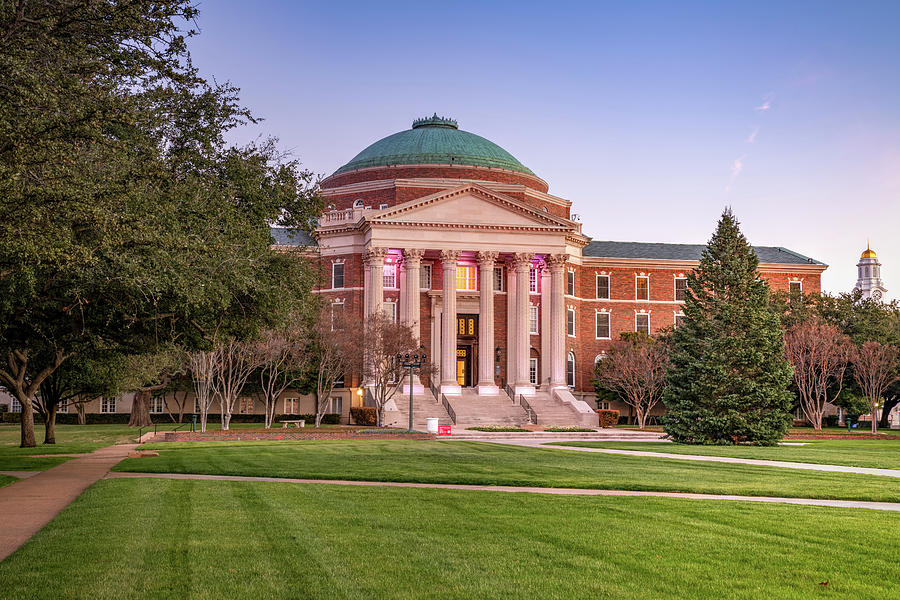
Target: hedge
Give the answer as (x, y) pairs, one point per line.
(364, 415)
(122, 418)
(608, 418)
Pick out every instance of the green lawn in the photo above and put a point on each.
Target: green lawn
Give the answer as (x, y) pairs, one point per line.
(497, 464)
(6, 480)
(855, 453)
(200, 539)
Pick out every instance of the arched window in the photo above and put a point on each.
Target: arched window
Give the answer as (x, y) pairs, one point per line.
(358, 203)
(570, 370)
(598, 358)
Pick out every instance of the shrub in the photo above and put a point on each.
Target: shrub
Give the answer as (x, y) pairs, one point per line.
(4, 408)
(364, 415)
(11, 417)
(831, 421)
(567, 429)
(608, 418)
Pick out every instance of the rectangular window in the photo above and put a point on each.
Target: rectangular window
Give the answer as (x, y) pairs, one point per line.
(335, 405)
(603, 287)
(498, 279)
(570, 283)
(679, 319)
(15, 406)
(245, 406)
(796, 287)
(340, 382)
(337, 276)
(532, 370)
(108, 405)
(156, 405)
(292, 406)
(63, 408)
(533, 320)
(642, 288)
(642, 323)
(425, 277)
(390, 277)
(532, 281)
(382, 206)
(390, 309)
(570, 322)
(337, 316)
(680, 288)
(466, 277)
(602, 326)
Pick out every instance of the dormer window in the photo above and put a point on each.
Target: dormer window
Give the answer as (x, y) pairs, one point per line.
(358, 203)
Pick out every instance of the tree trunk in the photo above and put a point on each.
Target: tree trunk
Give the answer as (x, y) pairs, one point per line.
(874, 416)
(79, 411)
(318, 418)
(140, 410)
(889, 405)
(27, 425)
(50, 424)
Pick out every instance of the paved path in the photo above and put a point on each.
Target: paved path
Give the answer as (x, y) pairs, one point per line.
(889, 506)
(20, 474)
(27, 505)
(722, 459)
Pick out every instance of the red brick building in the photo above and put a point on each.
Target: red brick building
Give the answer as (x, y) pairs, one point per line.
(534, 301)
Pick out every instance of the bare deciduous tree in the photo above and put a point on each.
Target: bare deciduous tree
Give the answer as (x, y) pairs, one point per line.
(820, 354)
(635, 369)
(203, 365)
(235, 362)
(376, 348)
(333, 354)
(284, 355)
(874, 369)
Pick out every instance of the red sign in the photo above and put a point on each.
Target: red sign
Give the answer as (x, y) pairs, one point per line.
(443, 430)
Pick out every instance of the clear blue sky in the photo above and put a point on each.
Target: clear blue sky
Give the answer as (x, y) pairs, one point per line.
(650, 116)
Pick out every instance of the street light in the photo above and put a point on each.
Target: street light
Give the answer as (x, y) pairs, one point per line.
(413, 361)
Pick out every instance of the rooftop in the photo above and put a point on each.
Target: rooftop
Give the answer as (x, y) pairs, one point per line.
(657, 251)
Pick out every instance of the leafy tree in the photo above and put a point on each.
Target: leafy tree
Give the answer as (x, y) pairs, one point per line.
(126, 221)
(635, 368)
(728, 378)
(875, 369)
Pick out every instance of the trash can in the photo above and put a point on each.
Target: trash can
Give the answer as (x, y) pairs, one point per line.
(432, 424)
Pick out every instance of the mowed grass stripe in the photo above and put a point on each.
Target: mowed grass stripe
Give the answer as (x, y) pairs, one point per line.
(163, 538)
(878, 454)
(496, 464)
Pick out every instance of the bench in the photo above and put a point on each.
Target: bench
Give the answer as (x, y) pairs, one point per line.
(296, 423)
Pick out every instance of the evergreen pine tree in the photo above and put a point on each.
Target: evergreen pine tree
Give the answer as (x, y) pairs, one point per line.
(728, 378)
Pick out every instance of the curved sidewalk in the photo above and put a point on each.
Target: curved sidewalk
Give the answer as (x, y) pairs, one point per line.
(888, 506)
(27, 505)
(722, 459)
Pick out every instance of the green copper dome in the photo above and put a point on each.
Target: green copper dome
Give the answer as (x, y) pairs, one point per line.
(434, 141)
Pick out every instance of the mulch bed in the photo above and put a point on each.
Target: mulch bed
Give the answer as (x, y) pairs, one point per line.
(290, 434)
(838, 436)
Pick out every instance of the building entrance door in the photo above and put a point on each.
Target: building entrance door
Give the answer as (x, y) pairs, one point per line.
(466, 350)
(463, 366)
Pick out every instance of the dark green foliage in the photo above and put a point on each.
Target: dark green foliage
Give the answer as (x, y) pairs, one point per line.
(729, 377)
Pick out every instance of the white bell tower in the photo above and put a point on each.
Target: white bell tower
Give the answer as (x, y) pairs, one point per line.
(869, 275)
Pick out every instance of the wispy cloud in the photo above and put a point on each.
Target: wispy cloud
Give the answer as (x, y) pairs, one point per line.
(767, 103)
(752, 137)
(736, 167)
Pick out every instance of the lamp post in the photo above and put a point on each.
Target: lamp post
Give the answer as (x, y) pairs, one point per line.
(411, 361)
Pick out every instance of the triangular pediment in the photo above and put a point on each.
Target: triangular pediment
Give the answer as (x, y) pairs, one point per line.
(469, 205)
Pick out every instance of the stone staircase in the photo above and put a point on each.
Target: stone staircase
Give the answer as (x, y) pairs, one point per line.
(424, 406)
(552, 411)
(473, 410)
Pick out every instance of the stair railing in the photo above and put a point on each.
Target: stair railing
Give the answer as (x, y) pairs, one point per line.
(510, 392)
(532, 416)
(449, 408)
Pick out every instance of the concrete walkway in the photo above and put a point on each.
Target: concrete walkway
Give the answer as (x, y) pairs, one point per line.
(721, 459)
(27, 505)
(888, 506)
(20, 474)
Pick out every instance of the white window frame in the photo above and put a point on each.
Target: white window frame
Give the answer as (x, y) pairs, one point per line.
(570, 282)
(466, 279)
(570, 360)
(597, 287)
(358, 203)
(570, 331)
(425, 274)
(677, 315)
(636, 278)
(339, 400)
(533, 370)
(533, 320)
(389, 276)
(608, 325)
(532, 280)
(675, 288)
(334, 269)
(107, 403)
(795, 282)
(382, 206)
(157, 405)
(294, 405)
(14, 405)
(333, 304)
(390, 309)
(63, 408)
(498, 279)
(642, 314)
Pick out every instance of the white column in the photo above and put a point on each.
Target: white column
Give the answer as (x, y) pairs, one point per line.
(523, 343)
(544, 374)
(413, 261)
(449, 385)
(374, 258)
(557, 264)
(511, 323)
(486, 385)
